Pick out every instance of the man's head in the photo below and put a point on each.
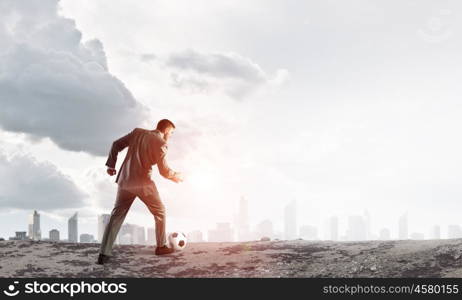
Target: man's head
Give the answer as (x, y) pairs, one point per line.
(166, 127)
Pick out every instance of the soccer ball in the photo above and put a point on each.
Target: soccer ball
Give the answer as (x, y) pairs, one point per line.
(177, 240)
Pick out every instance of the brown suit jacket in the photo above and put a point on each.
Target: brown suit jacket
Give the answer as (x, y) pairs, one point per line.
(145, 149)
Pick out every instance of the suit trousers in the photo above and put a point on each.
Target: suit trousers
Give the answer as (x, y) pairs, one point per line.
(125, 197)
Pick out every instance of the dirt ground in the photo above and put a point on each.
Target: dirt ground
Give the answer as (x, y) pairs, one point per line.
(406, 258)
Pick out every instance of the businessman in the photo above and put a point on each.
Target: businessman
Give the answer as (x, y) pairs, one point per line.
(145, 149)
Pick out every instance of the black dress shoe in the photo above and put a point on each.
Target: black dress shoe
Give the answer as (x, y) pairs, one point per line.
(102, 259)
(164, 250)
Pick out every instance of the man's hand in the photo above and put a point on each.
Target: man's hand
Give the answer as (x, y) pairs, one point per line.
(178, 177)
(111, 171)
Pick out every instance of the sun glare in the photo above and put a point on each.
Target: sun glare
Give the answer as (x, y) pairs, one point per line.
(201, 180)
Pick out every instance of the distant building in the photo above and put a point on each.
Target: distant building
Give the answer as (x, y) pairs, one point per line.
(139, 235)
(384, 234)
(130, 234)
(222, 233)
(367, 223)
(134, 234)
(403, 227)
(87, 238)
(309, 233)
(54, 235)
(454, 232)
(151, 236)
(242, 222)
(290, 221)
(125, 239)
(265, 229)
(332, 228)
(19, 236)
(357, 230)
(195, 236)
(34, 226)
(435, 233)
(72, 229)
(417, 236)
(103, 220)
(125, 235)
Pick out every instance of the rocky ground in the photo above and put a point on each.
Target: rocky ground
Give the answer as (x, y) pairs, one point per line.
(408, 258)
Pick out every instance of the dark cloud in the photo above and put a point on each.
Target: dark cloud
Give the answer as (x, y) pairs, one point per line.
(54, 85)
(235, 75)
(28, 184)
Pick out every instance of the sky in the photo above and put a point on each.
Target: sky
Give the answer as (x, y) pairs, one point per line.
(341, 106)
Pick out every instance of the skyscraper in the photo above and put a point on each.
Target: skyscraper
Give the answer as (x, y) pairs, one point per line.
(19, 236)
(435, 232)
(151, 236)
(332, 227)
(242, 223)
(54, 235)
(72, 229)
(34, 226)
(86, 238)
(367, 222)
(139, 235)
(403, 227)
(222, 233)
(102, 222)
(125, 239)
(125, 235)
(290, 221)
(454, 232)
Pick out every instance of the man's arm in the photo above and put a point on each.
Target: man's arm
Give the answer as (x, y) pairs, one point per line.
(163, 167)
(117, 146)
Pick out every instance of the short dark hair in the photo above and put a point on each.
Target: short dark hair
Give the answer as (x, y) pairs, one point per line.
(163, 124)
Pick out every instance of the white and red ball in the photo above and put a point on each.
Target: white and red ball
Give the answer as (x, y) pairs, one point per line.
(177, 240)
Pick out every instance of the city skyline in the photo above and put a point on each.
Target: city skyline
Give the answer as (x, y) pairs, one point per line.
(357, 229)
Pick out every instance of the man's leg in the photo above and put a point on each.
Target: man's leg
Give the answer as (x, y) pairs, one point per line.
(123, 202)
(152, 200)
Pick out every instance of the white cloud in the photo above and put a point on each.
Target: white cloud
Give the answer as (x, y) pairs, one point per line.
(230, 73)
(52, 84)
(29, 184)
